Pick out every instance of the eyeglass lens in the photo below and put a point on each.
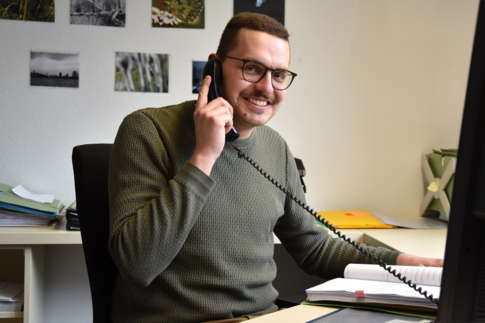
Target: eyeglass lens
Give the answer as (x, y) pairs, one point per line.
(254, 72)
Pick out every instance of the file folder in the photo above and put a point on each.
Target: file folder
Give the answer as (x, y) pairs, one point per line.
(10, 201)
(353, 219)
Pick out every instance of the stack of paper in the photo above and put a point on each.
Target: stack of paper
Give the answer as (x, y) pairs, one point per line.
(72, 218)
(373, 285)
(19, 207)
(11, 297)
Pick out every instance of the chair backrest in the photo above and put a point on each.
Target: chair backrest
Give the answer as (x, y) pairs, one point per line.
(91, 163)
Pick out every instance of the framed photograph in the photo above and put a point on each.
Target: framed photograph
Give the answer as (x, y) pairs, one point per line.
(197, 67)
(54, 69)
(98, 12)
(272, 8)
(141, 72)
(178, 13)
(32, 10)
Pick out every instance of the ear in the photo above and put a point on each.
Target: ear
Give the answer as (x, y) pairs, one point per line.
(214, 56)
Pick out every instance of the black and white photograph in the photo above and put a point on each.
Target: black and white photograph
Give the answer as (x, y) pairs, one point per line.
(272, 8)
(27, 10)
(54, 69)
(178, 13)
(141, 72)
(98, 12)
(197, 67)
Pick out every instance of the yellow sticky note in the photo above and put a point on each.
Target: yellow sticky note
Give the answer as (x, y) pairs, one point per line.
(434, 187)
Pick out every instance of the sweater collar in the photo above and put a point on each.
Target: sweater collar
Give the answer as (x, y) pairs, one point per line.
(248, 142)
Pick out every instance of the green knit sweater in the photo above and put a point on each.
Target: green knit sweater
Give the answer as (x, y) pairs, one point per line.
(192, 247)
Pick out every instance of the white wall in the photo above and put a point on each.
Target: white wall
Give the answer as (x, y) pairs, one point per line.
(379, 83)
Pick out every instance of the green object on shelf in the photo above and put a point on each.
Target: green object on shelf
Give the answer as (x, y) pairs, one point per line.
(438, 162)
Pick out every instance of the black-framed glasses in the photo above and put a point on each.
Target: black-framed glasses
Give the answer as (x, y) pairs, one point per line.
(254, 72)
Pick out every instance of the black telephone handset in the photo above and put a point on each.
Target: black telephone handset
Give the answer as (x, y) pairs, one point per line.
(214, 69)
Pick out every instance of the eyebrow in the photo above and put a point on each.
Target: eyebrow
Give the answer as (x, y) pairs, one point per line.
(257, 61)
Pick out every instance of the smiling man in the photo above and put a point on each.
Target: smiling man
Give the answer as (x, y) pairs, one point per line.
(192, 223)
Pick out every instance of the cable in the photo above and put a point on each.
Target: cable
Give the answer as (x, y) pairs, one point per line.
(334, 230)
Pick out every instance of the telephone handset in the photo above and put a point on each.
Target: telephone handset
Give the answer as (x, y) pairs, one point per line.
(214, 69)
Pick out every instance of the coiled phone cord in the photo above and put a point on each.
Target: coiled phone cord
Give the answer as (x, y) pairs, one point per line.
(334, 230)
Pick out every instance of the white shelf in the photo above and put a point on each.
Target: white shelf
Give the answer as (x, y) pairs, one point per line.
(39, 235)
(11, 315)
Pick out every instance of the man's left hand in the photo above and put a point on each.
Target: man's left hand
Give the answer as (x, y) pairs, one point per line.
(410, 260)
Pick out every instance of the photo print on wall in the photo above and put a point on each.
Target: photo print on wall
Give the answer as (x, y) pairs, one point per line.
(178, 13)
(272, 8)
(27, 10)
(54, 69)
(197, 67)
(98, 12)
(141, 72)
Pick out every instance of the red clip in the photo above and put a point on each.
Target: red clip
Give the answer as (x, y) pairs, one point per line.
(359, 293)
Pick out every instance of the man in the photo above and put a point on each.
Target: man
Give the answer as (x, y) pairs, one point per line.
(192, 223)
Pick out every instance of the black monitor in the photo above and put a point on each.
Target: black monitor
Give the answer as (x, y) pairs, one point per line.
(462, 297)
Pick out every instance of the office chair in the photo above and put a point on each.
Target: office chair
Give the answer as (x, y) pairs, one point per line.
(91, 163)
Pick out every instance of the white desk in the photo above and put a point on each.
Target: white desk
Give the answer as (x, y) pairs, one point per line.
(23, 248)
(424, 243)
(26, 247)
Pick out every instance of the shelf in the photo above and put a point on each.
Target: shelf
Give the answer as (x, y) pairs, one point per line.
(26, 265)
(39, 235)
(10, 315)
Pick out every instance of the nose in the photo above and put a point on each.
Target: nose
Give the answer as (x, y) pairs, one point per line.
(265, 85)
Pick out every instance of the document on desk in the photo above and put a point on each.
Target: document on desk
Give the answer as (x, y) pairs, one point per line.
(429, 276)
(412, 223)
(372, 292)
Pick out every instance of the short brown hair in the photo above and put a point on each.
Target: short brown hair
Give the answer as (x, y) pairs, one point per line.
(249, 20)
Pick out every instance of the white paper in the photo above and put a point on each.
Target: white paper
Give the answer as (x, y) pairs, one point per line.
(430, 276)
(344, 290)
(412, 223)
(8, 291)
(42, 198)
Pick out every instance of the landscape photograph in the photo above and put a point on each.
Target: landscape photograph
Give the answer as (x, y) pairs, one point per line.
(54, 69)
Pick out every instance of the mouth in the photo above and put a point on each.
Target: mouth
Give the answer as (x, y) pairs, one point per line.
(259, 103)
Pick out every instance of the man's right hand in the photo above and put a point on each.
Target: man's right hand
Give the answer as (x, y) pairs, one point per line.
(212, 121)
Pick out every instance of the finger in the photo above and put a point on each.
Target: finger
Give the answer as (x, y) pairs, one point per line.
(204, 91)
(228, 126)
(220, 110)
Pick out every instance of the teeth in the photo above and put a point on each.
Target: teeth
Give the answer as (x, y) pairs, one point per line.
(257, 102)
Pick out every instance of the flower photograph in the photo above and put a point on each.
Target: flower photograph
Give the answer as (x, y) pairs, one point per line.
(178, 13)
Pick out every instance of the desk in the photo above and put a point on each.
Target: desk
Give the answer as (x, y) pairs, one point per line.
(424, 243)
(27, 245)
(24, 249)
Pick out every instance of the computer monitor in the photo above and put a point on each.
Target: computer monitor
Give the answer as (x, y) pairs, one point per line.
(462, 297)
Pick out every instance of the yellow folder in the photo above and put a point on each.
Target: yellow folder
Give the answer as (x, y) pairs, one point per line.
(353, 219)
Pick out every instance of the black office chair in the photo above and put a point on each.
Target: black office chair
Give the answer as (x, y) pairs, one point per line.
(91, 163)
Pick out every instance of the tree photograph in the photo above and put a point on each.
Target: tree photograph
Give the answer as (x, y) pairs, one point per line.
(141, 72)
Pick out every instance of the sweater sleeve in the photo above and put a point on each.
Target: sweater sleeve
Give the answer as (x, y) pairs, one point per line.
(152, 210)
(314, 249)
